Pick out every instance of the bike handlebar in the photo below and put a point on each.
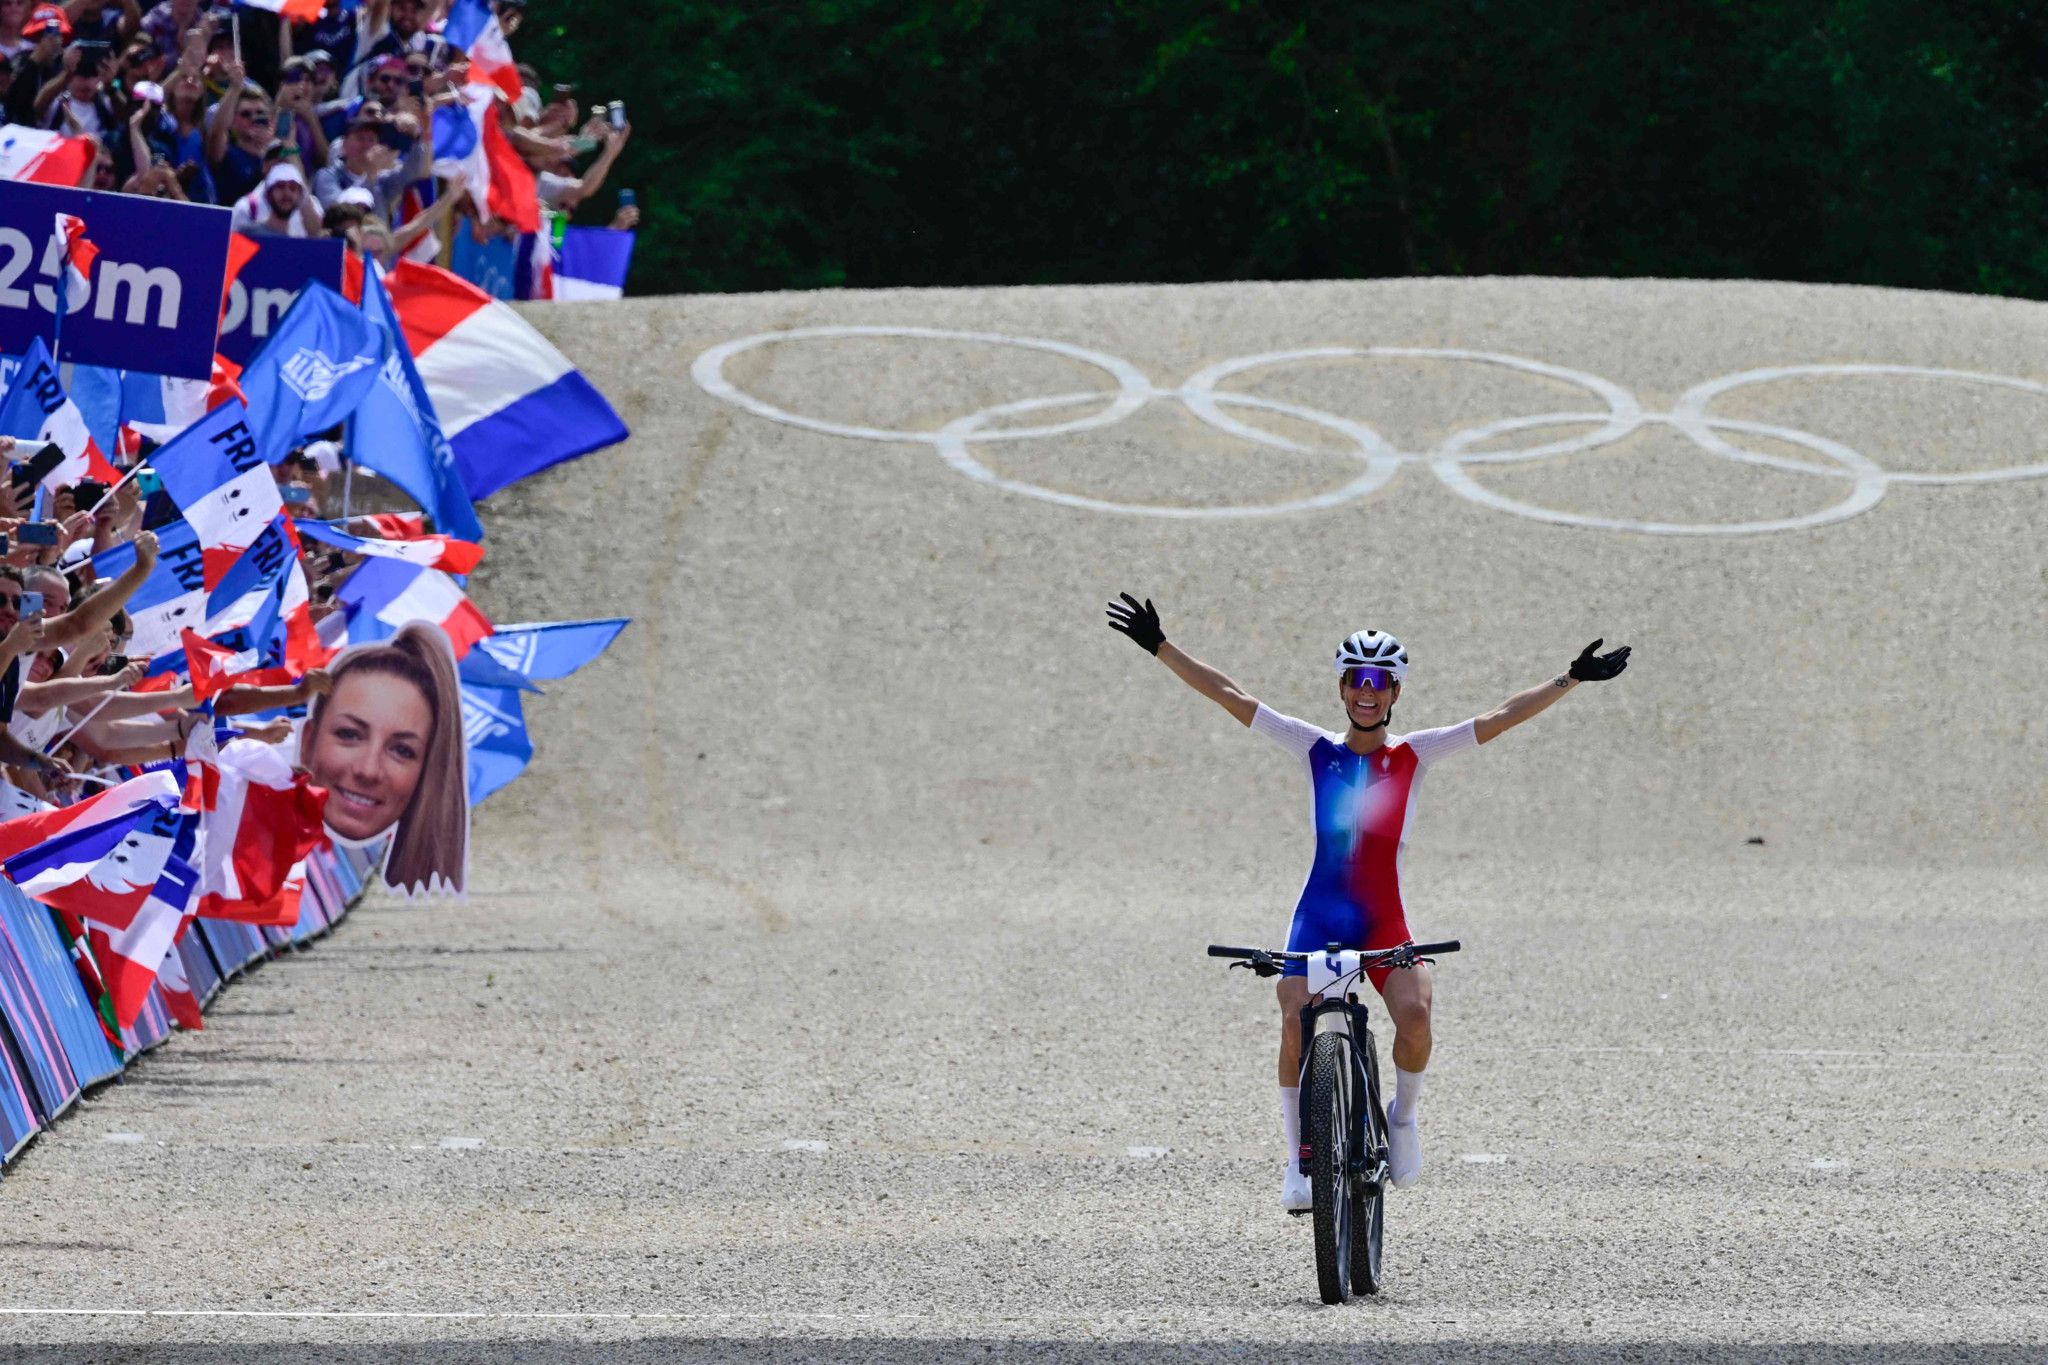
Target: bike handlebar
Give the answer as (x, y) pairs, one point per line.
(1419, 949)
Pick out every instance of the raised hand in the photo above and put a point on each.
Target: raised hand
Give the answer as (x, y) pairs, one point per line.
(1138, 621)
(1593, 667)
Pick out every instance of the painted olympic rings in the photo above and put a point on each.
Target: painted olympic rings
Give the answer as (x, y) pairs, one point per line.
(1618, 415)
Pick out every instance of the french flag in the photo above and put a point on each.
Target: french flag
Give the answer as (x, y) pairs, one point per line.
(469, 145)
(170, 599)
(509, 403)
(215, 474)
(129, 959)
(298, 11)
(43, 157)
(179, 997)
(266, 818)
(97, 858)
(215, 668)
(445, 553)
(37, 406)
(592, 264)
(474, 29)
(382, 595)
(78, 253)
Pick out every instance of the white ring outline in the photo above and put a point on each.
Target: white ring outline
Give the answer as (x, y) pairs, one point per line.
(1132, 387)
(1624, 417)
(1869, 488)
(1692, 405)
(1623, 409)
(1380, 465)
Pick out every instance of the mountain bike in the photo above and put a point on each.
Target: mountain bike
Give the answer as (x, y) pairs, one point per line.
(1343, 1125)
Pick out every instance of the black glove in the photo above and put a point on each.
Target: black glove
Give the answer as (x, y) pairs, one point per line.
(1141, 623)
(1591, 667)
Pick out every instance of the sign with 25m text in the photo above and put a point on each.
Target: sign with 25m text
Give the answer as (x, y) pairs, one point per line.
(152, 302)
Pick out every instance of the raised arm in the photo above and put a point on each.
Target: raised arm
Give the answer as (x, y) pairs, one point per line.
(1140, 622)
(1588, 667)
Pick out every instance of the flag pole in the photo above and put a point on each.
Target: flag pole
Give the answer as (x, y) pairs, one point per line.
(59, 741)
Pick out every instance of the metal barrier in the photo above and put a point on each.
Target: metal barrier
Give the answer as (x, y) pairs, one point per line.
(54, 1046)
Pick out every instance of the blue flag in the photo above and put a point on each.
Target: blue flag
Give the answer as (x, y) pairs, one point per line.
(395, 432)
(552, 649)
(499, 748)
(320, 362)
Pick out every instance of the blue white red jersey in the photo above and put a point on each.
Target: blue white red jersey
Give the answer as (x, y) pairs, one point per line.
(1364, 810)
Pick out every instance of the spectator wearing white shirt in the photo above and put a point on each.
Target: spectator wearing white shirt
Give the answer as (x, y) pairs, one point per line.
(279, 206)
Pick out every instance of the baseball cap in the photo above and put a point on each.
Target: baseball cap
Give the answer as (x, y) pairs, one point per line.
(358, 196)
(46, 16)
(320, 56)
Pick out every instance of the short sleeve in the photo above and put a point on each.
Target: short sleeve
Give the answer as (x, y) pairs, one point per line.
(1430, 746)
(1297, 737)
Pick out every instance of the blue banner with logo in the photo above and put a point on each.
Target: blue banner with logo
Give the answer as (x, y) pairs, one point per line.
(153, 298)
(268, 282)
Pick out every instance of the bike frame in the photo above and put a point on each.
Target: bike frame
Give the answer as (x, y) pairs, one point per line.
(1334, 1007)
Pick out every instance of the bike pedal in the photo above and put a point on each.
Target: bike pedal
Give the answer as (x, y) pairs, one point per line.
(1299, 1213)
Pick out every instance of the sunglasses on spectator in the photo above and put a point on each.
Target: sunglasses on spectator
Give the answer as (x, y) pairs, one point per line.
(1377, 679)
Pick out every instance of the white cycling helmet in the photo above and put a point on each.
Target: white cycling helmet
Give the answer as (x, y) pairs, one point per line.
(1373, 649)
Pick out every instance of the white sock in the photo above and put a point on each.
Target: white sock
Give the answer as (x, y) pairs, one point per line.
(1407, 1094)
(1290, 1122)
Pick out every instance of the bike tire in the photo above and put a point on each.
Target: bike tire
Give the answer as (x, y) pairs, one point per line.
(1369, 1207)
(1329, 1137)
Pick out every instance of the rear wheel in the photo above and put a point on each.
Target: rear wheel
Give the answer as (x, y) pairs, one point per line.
(1329, 1136)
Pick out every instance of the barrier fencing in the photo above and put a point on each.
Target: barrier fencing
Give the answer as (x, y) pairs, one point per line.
(53, 1047)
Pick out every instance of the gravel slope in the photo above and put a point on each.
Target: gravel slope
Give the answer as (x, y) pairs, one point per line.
(833, 988)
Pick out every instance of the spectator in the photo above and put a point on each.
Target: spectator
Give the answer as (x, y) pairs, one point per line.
(74, 102)
(48, 29)
(279, 206)
(112, 22)
(169, 22)
(139, 62)
(374, 237)
(342, 216)
(296, 97)
(369, 160)
(238, 133)
(13, 42)
(384, 28)
(562, 189)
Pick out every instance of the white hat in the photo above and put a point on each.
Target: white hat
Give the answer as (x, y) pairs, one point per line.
(357, 195)
(326, 454)
(284, 173)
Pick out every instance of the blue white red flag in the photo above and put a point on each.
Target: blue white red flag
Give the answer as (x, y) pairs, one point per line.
(510, 403)
(99, 858)
(592, 264)
(445, 553)
(219, 480)
(394, 429)
(78, 254)
(501, 185)
(37, 407)
(171, 599)
(474, 28)
(383, 594)
(265, 818)
(130, 958)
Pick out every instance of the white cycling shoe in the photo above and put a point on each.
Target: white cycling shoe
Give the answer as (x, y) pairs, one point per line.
(1296, 1195)
(1404, 1152)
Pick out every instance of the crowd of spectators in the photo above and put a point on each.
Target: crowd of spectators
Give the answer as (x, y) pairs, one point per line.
(304, 130)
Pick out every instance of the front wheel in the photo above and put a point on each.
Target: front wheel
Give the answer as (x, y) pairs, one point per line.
(1328, 1131)
(1369, 1201)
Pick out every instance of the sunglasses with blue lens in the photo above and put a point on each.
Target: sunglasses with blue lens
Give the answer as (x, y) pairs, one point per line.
(1378, 679)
